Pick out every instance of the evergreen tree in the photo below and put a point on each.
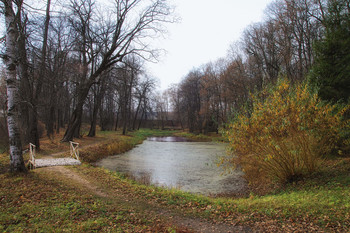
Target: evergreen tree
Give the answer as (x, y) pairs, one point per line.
(331, 72)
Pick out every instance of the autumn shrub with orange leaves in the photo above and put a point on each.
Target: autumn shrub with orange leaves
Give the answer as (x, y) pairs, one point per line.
(285, 135)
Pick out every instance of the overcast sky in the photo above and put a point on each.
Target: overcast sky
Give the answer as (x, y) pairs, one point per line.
(206, 31)
(204, 34)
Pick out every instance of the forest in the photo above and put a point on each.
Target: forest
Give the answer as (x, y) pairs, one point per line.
(278, 102)
(77, 64)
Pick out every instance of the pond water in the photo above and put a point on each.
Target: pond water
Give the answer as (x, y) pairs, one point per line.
(175, 162)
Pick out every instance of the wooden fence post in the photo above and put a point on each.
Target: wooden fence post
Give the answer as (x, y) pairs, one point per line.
(32, 155)
(74, 152)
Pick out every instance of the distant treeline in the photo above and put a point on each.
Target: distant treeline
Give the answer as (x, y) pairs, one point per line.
(79, 66)
(303, 41)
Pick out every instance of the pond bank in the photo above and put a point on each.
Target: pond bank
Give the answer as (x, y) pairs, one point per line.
(177, 162)
(87, 198)
(117, 145)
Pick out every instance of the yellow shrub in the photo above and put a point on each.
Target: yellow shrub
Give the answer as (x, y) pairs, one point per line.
(286, 134)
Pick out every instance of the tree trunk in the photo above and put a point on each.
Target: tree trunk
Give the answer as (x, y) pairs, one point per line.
(143, 112)
(73, 129)
(97, 104)
(51, 109)
(124, 125)
(92, 131)
(74, 125)
(27, 107)
(33, 133)
(136, 114)
(124, 113)
(180, 119)
(16, 157)
(117, 120)
(51, 121)
(33, 128)
(59, 121)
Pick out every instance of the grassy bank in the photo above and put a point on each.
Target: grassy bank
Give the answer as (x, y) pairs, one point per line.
(49, 199)
(320, 203)
(200, 137)
(117, 144)
(42, 202)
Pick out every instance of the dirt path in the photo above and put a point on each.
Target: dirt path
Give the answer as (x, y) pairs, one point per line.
(185, 223)
(69, 175)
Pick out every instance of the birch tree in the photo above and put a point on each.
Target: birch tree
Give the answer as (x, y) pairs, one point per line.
(10, 59)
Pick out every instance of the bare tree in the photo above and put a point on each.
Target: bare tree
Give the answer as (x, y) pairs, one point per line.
(12, 85)
(33, 89)
(130, 24)
(98, 95)
(142, 93)
(191, 100)
(3, 110)
(175, 101)
(59, 79)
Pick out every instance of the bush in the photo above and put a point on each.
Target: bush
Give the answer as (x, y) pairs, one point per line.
(285, 135)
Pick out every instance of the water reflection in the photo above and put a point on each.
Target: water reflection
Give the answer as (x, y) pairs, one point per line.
(190, 166)
(168, 139)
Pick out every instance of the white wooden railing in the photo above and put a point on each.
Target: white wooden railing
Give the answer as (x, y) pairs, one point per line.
(32, 155)
(74, 152)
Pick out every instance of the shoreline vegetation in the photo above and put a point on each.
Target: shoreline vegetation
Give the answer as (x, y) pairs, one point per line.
(88, 198)
(281, 99)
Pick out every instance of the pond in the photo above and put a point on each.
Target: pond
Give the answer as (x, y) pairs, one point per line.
(177, 163)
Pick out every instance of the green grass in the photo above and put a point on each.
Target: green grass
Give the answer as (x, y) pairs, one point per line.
(43, 202)
(200, 137)
(40, 203)
(324, 206)
(144, 133)
(109, 147)
(116, 143)
(322, 199)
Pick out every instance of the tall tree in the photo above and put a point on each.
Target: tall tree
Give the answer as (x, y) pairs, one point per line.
(191, 100)
(142, 91)
(331, 72)
(10, 59)
(35, 91)
(132, 22)
(98, 96)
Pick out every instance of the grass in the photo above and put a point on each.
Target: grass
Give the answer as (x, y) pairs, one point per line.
(41, 203)
(144, 133)
(109, 147)
(115, 143)
(200, 137)
(303, 206)
(325, 205)
(44, 201)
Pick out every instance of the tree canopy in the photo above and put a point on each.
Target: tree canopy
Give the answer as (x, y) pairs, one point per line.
(331, 71)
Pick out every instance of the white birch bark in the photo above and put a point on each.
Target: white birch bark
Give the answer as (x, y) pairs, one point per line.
(16, 157)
